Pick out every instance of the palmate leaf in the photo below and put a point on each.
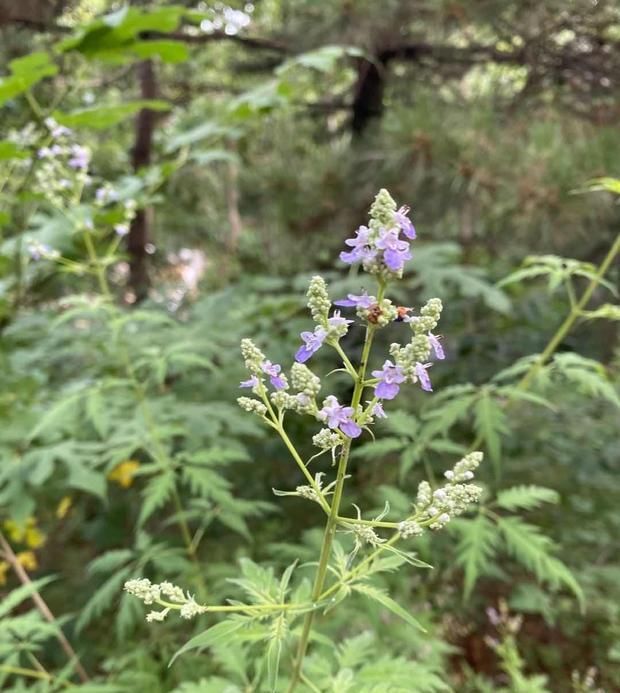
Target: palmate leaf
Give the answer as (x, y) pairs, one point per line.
(525, 497)
(385, 600)
(476, 548)
(534, 550)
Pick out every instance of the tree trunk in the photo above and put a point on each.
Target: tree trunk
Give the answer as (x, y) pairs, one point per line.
(140, 229)
(368, 101)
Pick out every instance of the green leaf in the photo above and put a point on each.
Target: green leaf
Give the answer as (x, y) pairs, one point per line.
(382, 598)
(525, 497)
(102, 117)
(168, 51)
(533, 550)
(25, 73)
(216, 635)
(10, 150)
(18, 595)
(104, 598)
(589, 375)
(156, 493)
(490, 422)
(476, 548)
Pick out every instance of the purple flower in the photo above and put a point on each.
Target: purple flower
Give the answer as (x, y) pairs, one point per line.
(378, 411)
(402, 219)
(313, 341)
(362, 249)
(395, 251)
(338, 416)
(436, 346)
(273, 371)
(252, 382)
(390, 377)
(352, 301)
(80, 157)
(121, 229)
(337, 321)
(425, 381)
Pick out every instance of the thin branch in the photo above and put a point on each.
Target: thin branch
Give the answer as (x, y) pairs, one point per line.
(42, 606)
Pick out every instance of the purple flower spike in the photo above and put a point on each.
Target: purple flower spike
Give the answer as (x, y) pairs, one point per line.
(436, 346)
(338, 416)
(402, 219)
(352, 301)
(273, 371)
(425, 381)
(390, 377)
(313, 341)
(395, 251)
(252, 382)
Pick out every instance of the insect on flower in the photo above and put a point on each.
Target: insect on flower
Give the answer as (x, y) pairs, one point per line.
(402, 313)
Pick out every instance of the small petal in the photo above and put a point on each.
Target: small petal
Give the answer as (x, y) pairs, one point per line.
(436, 346)
(385, 390)
(425, 381)
(351, 429)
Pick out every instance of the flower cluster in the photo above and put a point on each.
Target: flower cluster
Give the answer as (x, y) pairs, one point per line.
(379, 246)
(436, 508)
(124, 211)
(412, 359)
(64, 165)
(164, 594)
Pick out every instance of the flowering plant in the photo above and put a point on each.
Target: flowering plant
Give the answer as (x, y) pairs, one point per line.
(382, 248)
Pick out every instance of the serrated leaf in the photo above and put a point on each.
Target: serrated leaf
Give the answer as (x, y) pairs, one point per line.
(385, 600)
(491, 424)
(525, 497)
(156, 493)
(476, 548)
(18, 595)
(218, 634)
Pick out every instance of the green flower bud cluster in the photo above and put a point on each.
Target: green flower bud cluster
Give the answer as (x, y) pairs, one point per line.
(410, 528)
(326, 439)
(428, 318)
(253, 406)
(382, 211)
(252, 356)
(438, 507)
(304, 380)
(419, 348)
(365, 534)
(318, 300)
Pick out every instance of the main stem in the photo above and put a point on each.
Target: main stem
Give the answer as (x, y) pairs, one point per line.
(332, 520)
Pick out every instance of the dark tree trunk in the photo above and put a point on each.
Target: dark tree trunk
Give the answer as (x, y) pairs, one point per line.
(368, 101)
(140, 229)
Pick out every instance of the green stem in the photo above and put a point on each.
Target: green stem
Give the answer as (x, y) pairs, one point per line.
(332, 520)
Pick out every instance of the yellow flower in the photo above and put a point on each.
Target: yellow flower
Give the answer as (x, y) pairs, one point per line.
(63, 507)
(4, 569)
(27, 559)
(124, 473)
(27, 533)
